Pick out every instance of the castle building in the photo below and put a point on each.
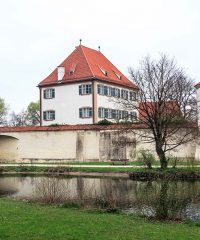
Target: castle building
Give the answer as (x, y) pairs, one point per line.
(84, 89)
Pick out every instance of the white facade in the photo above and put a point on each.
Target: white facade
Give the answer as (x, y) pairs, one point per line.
(67, 102)
(114, 103)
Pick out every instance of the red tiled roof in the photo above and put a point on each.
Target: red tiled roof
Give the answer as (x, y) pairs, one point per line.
(72, 127)
(170, 107)
(88, 64)
(94, 127)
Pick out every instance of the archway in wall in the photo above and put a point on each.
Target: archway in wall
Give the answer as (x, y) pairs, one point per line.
(8, 148)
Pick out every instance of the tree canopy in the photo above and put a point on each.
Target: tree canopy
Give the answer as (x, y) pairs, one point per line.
(3, 112)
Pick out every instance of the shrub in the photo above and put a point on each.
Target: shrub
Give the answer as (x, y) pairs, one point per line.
(71, 205)
(22, 168)
(54, 125)
(172, 160)
(104, 122)
(147, 158)
(58, 169)
(50, 190)
(191, 161)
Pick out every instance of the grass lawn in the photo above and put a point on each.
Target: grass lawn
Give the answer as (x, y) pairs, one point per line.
(117, 169)
(22, 221)
(131, 163)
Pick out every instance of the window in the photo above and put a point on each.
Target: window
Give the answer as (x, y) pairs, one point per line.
(106, 113)
(49, 115)
(124, 114)
(124, 94)
(105, 92)
(101, 112)
(114, 114)
(49, 93)
(117, 92)
(133, 116)
(85, 89)
(133, 96)
(113, 92)
(109, 113)
(109, 92)
(85, 112)
(118, 114)
(100, 89)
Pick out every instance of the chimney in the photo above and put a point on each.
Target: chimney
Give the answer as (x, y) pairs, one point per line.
(61, 72)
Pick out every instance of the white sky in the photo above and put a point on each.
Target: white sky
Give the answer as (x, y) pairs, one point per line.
(37, 35)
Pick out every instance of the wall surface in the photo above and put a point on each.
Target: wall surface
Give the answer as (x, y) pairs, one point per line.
(9, 148)
(78, 145)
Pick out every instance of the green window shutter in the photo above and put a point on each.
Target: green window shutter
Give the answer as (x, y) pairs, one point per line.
(44, 94)
(53, 93)
(44, 115)
(80, 112)
(90, 112)
(80, 90)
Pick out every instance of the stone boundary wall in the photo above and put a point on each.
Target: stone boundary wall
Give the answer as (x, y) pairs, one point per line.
(78, 143)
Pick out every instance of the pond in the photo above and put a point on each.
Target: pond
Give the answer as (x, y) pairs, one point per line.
(161, 199)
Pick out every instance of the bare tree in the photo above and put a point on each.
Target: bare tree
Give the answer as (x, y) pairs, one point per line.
(19, 119)
(167, 103)
(28, 117)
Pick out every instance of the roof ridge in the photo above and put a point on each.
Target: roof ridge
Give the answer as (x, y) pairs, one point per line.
(87, 60)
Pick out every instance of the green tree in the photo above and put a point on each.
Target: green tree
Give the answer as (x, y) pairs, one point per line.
(33, 113)
(3, 112)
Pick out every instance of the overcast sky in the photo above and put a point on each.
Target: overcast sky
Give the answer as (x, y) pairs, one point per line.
(37, 35)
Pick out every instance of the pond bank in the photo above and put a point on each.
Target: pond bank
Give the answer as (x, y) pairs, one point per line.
(81, 174)
(21, 221)
(118, 171)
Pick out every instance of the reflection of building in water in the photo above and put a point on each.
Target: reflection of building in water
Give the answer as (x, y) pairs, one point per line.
(116, 192)
(7, 186)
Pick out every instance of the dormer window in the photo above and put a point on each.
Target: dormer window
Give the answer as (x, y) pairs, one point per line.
(71, 72)
(117, 75)
(49, 93)
(103, 71)
(72, 69)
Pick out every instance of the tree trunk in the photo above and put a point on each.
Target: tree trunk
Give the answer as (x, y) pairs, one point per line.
(161, 155)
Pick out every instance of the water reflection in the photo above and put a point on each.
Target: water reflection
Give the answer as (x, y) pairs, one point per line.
(161, 199)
